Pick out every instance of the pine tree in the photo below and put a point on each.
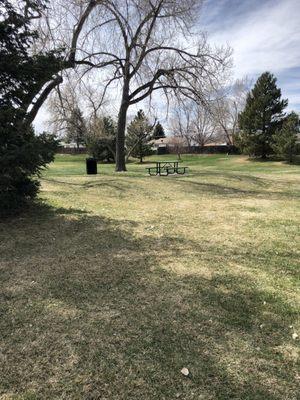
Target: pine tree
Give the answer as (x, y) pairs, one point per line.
(262, 116)
(159, 131)
(138, 136)
(101, 139)
(285, 139)
(76, 128)
(22, 153)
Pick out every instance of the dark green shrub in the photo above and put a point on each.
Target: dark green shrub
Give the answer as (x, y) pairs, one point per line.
(101, 139)
(22, 75)
(23, 155)
(285, 140)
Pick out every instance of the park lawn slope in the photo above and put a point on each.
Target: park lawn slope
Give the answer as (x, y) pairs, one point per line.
(117, 281)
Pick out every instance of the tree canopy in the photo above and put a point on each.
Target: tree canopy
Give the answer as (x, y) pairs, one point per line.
(139, 134)
(22, 154)
(101, 138)
(22, 73)
(285, 139)
(159, 131)
(76, 127)
(262, 116)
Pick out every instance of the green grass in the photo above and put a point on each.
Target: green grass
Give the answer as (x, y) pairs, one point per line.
(118, 281)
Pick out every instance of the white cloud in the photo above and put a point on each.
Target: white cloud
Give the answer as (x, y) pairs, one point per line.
(267, 38)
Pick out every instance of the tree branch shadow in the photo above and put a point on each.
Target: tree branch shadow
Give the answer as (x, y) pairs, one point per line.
(230, 191)
(90, 311)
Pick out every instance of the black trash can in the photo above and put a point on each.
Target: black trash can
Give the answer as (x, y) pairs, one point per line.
(91, 166)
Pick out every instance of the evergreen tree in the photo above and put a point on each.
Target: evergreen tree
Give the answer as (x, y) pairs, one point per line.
(109, 127)
(262, 116)
(22, 153)
(139, 134)
(76, 129)
(101, 140)
(159, 131)
(285, 139)
(22, 75)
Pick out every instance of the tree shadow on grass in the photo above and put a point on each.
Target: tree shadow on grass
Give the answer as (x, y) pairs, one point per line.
(277, 159)
(232, 176)
(230, 191)
(94, 313)
(90, 184)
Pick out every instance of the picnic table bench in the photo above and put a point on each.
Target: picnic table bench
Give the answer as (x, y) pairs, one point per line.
(164, 168)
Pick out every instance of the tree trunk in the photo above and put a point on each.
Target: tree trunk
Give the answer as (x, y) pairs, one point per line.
(120, 143)
(290, 155)
(228, 137)
(264, 151)
(178, 154)
(141, 150)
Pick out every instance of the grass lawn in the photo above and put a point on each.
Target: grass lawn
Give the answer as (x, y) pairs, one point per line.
(118, 281)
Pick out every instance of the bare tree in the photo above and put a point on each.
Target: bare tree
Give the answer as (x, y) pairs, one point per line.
(177, 145)
(203, 126)
(141, 45)
(63, 101)
(182, 124)
(74, 94)
(227, 106)
(193, 122)
(70, 46)
(151, 45)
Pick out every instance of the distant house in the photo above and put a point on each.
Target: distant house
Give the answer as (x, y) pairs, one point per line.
(71, 148)
(216, 143)
(167, 141)
(169, 144)
(173, 144)
(159, 143)
(71, 145)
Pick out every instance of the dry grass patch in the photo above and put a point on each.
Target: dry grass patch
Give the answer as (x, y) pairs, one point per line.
(119, 281)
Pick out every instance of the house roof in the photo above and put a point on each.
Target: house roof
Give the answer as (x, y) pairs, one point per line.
(175, 140)
(215, 144)
(170, 140)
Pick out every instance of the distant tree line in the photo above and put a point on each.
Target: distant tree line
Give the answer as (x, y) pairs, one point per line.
(252, 121)
(99, 135)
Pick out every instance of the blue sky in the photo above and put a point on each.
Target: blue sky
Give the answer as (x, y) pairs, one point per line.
(264, 35)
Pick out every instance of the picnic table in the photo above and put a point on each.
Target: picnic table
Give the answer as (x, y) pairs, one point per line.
(166, 168)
